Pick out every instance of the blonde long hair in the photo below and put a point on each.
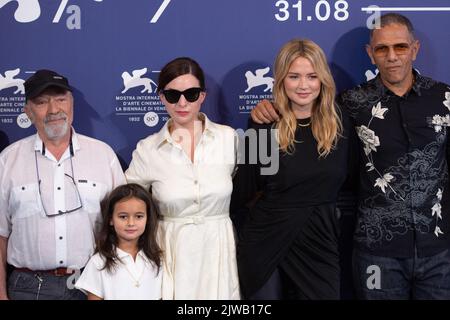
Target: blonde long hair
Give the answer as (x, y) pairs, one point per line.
(326, 124)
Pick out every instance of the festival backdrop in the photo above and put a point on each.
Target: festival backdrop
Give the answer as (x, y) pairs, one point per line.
(112, 51)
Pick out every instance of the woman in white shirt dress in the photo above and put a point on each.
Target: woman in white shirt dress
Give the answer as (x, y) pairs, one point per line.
(188, 165)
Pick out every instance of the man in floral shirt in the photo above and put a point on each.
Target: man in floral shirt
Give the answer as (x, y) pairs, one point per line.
(402, 236)
(402, 232)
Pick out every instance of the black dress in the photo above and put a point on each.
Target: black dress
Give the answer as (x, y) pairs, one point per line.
(293, 224)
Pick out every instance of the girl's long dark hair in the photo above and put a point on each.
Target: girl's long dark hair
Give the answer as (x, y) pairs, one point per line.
(106, 241)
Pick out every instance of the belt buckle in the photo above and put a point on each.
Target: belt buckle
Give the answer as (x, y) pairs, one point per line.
(56, 272)
(198, 220)
(60, 272)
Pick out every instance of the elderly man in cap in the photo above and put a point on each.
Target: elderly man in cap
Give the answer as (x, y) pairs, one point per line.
(52, 184)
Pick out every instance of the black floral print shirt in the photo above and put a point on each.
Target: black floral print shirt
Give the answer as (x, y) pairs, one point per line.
(404, 196)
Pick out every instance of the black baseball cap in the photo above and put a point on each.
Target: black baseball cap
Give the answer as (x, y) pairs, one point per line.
(41, 80)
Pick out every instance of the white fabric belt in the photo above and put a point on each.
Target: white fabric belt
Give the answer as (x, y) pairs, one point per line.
(195, 219)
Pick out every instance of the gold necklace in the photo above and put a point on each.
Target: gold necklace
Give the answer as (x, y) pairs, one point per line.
(136, 281)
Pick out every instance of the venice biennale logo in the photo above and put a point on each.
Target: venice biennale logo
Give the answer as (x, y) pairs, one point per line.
(138, 101)
(27, 10)
(258, 79)
(8, 81)
(12, 99)
(259, 87)
(135, 80)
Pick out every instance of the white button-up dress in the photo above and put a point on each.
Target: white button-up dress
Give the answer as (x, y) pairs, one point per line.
(193, 198)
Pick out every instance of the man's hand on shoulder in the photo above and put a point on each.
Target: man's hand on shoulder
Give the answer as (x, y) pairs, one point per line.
(264, 112)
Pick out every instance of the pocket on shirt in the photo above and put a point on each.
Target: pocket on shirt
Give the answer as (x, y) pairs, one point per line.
(25, 201)
(92, 192)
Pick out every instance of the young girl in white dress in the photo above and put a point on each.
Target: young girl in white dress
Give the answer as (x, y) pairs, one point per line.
(126, 264)
(189, 165)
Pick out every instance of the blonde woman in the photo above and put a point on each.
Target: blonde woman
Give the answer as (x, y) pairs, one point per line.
(288, 247)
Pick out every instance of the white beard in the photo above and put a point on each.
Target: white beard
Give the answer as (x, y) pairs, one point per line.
(56, 131)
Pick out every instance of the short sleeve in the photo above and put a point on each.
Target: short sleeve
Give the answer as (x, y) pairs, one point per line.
(137, 171)
(91, 279)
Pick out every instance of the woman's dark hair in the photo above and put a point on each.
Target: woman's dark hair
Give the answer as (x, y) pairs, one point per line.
(179, 67)
(107, 241)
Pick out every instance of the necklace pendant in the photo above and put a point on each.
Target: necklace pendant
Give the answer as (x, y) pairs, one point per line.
(136, 284)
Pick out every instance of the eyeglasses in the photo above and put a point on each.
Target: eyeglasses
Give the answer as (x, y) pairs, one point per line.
(191, 94)
(399, 49)
(72, 194)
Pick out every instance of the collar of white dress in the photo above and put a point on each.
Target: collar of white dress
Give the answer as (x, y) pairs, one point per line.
(164, 135)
